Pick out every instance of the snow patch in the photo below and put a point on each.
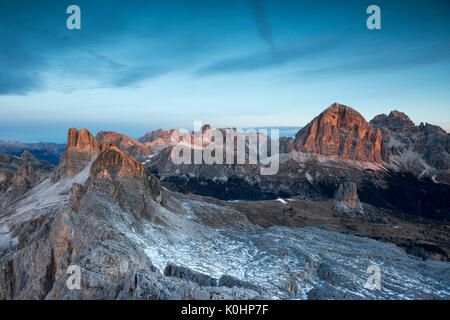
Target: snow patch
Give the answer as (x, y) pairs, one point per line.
(308, 176)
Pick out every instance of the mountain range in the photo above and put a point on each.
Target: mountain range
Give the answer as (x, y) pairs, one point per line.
(348, 194)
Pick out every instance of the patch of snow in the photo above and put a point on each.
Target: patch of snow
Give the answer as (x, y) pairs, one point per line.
(220, 179)
(308, 176)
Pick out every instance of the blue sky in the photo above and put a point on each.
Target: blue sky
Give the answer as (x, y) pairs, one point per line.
(141, 65)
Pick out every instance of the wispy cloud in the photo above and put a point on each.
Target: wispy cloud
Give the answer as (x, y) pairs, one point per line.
(262, 23)
(32, 50)
(264, 60)
(387, 60)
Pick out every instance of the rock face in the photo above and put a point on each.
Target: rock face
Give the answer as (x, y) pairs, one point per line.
(82, 148)
(133, 178)
(82, 139)
(75, 195)
(151, 136)
(341, 131)
(29, 158)
(423, 150)
(4, 181)
(173, 270)
(18, 175)
(286, 145)
(231, 282)
(129, 145)
(23, 180)
(347, 194)
(396, 120)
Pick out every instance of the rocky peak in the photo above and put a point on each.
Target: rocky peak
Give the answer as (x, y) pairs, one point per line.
(431, 129)
(113, 165)
(26, 174)
(25, 178)
(82, 148)
(421, 150)
(82, 139)
(151, 136)
(394, 121)
(29, 158)
(341, 131)
(286, 144)
(126, 144)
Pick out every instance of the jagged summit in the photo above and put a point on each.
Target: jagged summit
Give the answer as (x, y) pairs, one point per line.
(342, 131)
(29, 158)
(423, 150)
(82, 148)
(117, 186)
(395, 120)
(151, 136)
(82, 139)
(113, 164)
(131, 146)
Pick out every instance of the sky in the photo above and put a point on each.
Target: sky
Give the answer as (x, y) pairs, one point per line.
(135, 66)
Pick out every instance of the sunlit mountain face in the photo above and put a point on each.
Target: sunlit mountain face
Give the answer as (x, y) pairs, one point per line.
(238, 150)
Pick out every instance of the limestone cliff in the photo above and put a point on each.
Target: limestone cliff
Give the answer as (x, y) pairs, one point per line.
(341, 131)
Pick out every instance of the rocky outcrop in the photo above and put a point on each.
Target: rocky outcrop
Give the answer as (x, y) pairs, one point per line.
(29, 158)
(396, 120)
(151, 136)
(286, 144)
(23, 180)
(116, 165)
(347, 194)
(328, 292)
(232, 282)
(423, 150)
(122, 180)
(126, 144)
(18, 175)
(75, 194)
(4, 181)
(173, 270)
(341, 131)
(144, 285)
(82, 148)
(82, 139)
